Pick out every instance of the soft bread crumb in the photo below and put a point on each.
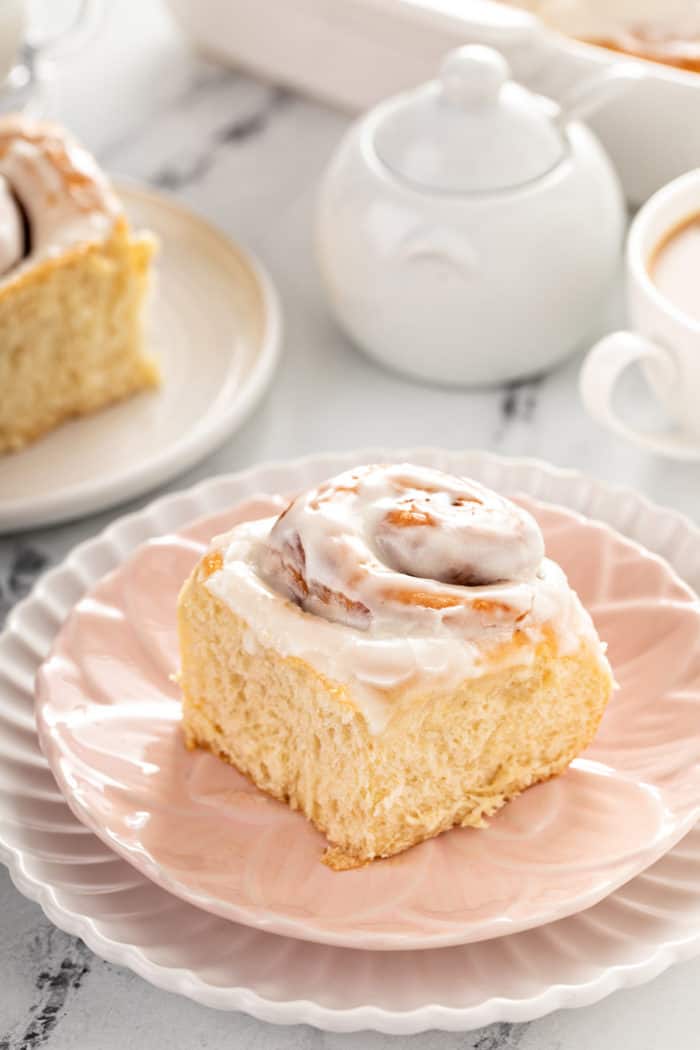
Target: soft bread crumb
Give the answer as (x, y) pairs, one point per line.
(448, 758)
(71, 335)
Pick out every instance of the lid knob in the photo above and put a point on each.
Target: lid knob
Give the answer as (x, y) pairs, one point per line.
(473, 74)
(471, 130)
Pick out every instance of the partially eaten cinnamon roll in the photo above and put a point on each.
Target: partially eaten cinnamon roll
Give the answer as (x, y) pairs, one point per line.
(393, 655)
(72, 282)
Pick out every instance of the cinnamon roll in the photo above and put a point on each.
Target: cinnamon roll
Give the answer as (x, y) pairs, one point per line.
(662, 31)
(392, 654)
(72, 282)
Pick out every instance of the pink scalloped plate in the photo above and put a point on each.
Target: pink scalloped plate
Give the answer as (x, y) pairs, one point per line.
(108, 715)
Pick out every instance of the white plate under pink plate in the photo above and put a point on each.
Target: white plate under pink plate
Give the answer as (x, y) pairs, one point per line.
(628, 938)
(108, 716)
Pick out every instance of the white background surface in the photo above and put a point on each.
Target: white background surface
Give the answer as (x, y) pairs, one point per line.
(248, 158)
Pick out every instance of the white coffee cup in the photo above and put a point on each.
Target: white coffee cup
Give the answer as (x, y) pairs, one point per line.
(662, 339)
(21, 47)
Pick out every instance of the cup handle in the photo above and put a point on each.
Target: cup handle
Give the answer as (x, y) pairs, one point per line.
(81, 26)
(601, 370)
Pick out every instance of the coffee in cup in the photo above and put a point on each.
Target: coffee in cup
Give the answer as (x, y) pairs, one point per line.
(663, 306)
(674, 266)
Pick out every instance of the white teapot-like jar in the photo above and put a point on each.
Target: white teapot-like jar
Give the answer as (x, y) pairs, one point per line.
(469, 231)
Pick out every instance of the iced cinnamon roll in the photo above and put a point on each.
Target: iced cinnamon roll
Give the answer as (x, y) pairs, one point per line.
(662, 31)
(392, 653)
(72, 283)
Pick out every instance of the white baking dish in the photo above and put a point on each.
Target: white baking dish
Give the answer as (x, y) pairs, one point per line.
(354, 52)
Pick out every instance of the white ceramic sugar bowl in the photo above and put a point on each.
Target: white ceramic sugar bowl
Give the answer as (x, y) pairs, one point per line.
(468, 231)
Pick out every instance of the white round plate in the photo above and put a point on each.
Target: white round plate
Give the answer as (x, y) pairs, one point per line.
(214, 323)
(86, 889)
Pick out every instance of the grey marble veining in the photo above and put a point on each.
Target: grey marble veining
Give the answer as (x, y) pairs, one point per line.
(248, 156)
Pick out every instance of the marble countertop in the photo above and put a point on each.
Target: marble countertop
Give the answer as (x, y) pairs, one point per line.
(248, 156)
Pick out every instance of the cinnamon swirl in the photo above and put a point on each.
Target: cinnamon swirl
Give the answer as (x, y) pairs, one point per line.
(392, 653)
(72, 283)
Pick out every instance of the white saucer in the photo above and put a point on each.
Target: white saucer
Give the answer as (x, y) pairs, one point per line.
(84, 888)
(215, 325)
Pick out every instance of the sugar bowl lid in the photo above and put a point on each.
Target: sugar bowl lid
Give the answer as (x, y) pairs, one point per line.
(473, 130)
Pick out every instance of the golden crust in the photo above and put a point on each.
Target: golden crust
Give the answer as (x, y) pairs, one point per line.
(70, 314)
(51, 370)
(452, 757)
(679, 54)
(33, 275)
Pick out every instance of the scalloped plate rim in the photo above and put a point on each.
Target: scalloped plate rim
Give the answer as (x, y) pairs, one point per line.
(363, 938)
(656, 958)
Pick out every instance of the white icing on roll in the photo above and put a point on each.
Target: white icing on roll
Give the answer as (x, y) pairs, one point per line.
(64, 195)
(665, 30)
(11, 232)
(326, 581)
(378, 542)
(660, 19)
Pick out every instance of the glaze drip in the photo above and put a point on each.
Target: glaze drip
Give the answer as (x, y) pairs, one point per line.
(317, 585)
(382, 541)
(53, 186)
